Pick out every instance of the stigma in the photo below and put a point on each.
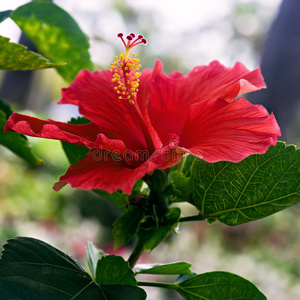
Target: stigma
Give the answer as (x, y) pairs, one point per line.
(126, 68)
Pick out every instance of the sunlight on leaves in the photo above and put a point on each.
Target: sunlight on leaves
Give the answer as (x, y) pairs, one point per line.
(15, 57)
(56, 35)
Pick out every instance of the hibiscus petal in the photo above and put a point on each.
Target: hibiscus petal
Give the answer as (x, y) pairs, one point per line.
(173, 95)
(143, 97)
(217, 130)
(216, 80)
(83, 135)
(100, 170)
(98, 101)
(117, 148)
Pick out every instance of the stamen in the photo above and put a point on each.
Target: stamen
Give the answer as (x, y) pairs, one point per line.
(126, 68)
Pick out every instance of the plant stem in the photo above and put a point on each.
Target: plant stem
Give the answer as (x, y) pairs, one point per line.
(136, 253)
(157, 284)
(192, 218)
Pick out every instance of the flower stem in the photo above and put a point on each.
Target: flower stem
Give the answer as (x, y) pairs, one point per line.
(136, 253)
(192, 218)
(157, 284)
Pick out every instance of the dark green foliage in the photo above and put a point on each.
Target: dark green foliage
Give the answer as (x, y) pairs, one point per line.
(52, 274)
(252, 189)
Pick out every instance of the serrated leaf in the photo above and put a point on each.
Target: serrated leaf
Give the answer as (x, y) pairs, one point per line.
(4, 15)
(125, 227)
(115, 270)
(252, 189)
(56, 36)
(176, 268)
(15, 57)
(152, 235)
(15, 142)
(93, 255)
(31, 269)
(218, 286)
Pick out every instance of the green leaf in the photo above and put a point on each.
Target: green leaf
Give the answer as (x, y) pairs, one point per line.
(125, 227)
(4, 15)
(176, 268)
(15, 57)
(118, 198)
(152, 234)
(74, 153)
(188, 164)
(218, 286)
(115, 270)
(56, 36)
(182, 191)
(15, 142)
(31, 269)
(258, 186)
(93, 255)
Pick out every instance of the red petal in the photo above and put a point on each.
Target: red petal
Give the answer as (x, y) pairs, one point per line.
(217, 130)
(216, 80)
(143, 97)
(100, 170)
(97, 100)
(173, 95)
(83, 135)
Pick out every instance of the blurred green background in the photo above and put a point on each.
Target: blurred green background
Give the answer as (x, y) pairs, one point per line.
(182, 34)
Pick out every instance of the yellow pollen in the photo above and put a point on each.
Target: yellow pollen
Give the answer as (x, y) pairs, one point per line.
(126, 75)
(126, 68)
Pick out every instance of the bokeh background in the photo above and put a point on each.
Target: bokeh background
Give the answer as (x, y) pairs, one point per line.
(182, 34)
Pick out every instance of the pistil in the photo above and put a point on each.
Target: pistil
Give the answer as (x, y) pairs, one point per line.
(126, 76)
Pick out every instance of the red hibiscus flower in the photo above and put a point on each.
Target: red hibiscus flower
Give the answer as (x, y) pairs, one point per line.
(146, 121)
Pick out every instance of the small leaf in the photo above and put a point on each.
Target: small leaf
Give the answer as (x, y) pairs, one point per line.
(74, 153)
(176, 268)
(4, 15)
(254, 188)
(151, 235)
(118, 198)
(125, 227)
(15, 142)
(188, 164)
(31, 269)
(218, 286)
(15, 57)
(56, 35)
(115, 270)
(93, 255)
(182, 191)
